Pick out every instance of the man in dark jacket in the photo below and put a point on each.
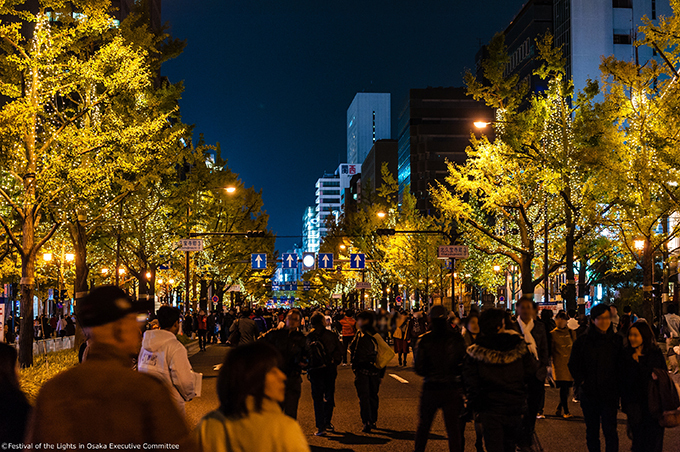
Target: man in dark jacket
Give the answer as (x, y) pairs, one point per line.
(292, 345)
(595, 365)
(439, 359)
(495, 375)
(367, 377)
(537, 342)
(247, 330)
(325, 353)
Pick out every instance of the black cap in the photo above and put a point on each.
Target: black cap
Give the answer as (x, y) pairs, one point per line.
(105, 304)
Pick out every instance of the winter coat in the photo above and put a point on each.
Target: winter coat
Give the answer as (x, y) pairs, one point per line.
(267, 431)
(164, 357)
(103, 400)
(562, 342)
(247, 328)
(348, 326)
(439, 358)
(292, 344)
(364, 352)
(13, 415)
(402, 327)
(540, 336)
(636, 376)
(330, 341)
(417, 326)
(495, 374)
(595, 364)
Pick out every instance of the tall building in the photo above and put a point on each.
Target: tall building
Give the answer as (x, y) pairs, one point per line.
(434, 127)
(587, 30)
(310, 230)
(368, 120)
(383, 151)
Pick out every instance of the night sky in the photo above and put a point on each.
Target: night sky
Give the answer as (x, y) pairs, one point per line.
(271, 80)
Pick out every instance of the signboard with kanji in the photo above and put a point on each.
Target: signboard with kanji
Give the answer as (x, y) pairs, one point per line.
(191, 245)
(453, 252)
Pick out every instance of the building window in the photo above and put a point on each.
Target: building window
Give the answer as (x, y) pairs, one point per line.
(622, 39)
(653, 9)
(374, 127)
(623, 3)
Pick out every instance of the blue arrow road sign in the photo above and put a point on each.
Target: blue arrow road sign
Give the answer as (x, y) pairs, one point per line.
(325, 261)
(357, 261)
(290, 260)
(258, 261)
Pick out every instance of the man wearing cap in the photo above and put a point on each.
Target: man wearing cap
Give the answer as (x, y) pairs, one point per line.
(103, 400)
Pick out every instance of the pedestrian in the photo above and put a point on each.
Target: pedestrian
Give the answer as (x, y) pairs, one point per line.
(615, 317)
(640, 358)
(103, 400)
(244, 330)
(439, 361)
(260, 322)
(15, 407)
(672, 333)
(401, 336)
(562, 341)
(226, 322)
(537, 342)
(495, 374)
(250, 387)
(61, 326)
(470, 334)
(595, 364)
(187, 326)
(202, 329)
(367, 376)
(349, 329)
(325, 353)
(629, 311)
(292, 345)
(164, 357)
(210, 328)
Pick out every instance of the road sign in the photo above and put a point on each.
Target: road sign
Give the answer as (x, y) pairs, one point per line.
(215, 298)
(307, 286)
(337, 295)
(325, 261)
(363, 285)
(357, 261)
(308, 261)
(289, 260)
(399, 300)
(258, 261)
(501, 299)
(191, 245)
(453, 252)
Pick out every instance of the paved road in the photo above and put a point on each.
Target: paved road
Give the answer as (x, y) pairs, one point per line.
(398, 415)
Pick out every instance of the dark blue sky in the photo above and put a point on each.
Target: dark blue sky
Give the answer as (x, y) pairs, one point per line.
(271, 80)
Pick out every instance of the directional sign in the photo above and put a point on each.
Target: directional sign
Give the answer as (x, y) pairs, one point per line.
(215, 298)
(363, 285)
(453, 252)
(357, 261)
(191, 245)
(307, 286)
(258, 261)
(289, 260)
(325, 261)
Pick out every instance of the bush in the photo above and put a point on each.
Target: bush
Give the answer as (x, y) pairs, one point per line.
(45, 367)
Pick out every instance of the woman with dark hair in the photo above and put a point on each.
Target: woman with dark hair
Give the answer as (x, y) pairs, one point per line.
(641, 356)
(250, 388)
(15, 407)
(562, 341)
(471, 325)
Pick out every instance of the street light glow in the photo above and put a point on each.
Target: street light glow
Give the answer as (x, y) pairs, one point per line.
(230, 189)
(381, 214)
(47, 257)
(148, 275)
(105, 271)
(496, 268)
(171, 281)
(639, 245)
(160, 281)
(481, 124)
(342, 247)
(69, 257)
(121, 271)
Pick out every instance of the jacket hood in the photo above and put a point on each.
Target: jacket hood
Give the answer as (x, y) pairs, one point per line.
(153, 340)
(503, 348)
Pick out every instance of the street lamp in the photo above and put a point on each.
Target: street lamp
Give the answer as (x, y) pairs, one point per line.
(381, 214)
(639, 245)
(121, 271)
(343, 247)
(69, 257)
(148, 275)
(230, 189)
(105, 271)
(481, 124)
(496, 268)
(47, 257)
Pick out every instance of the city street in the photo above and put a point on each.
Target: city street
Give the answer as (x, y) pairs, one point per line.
(398, 415)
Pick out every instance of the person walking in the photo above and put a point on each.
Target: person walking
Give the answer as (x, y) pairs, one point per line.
(349, 328)
(292, 345)
(537, 342)
(672, 333)
(562, 341)
(15, 407)
(640, 358)
(250, 387)
(495, 375)
(244, 330)
(367, 376)
(594, 364)
(470, 326)
(202, 329)
(439, 361)
(210, 322)
(325, 353)
(103, 400)
(401, 336)
(164, 357)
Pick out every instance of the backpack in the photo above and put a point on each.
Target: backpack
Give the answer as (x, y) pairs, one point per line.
(318, 355)
(664, 402)
(385, 352)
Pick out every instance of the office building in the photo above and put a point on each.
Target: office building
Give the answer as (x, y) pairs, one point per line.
(383, 151)
(310, 230)
(368, 120)
(434, 127)
(587, 30)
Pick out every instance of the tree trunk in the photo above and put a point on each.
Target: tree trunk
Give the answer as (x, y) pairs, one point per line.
(647, 281)
(570, 289)
(582, 276)
(27, 289)
(527, 276)
(78, 236)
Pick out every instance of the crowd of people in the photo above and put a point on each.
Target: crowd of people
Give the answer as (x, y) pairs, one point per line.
(490, 369)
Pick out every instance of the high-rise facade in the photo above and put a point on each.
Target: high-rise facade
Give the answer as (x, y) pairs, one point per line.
(368, 120)
(310, 230)
(434, 128)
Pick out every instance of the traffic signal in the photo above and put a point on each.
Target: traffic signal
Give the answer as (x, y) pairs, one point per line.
(255, 234)
(385, 232)
(308, 261)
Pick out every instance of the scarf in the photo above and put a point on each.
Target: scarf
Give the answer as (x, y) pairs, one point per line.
(528, 338)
